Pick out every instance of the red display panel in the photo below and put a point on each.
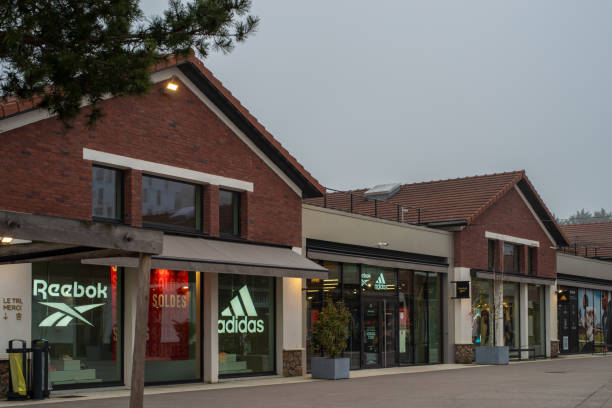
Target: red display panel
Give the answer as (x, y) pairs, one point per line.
(168, 330)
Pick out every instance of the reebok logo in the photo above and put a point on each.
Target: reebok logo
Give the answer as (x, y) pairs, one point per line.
(236, 320)
(66, 314)
(40, 287)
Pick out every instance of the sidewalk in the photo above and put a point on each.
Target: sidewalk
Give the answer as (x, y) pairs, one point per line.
(65, 396)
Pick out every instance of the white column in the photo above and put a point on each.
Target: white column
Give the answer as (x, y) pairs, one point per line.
(524, 318)
(131, 284)
(210, 345)
(289, 319)
(463, 309)
(551, 316)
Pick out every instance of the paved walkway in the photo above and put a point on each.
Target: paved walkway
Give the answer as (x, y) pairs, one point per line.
(566, 382)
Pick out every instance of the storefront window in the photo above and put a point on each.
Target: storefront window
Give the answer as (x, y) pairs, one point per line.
(482, 312)
(173, 333)
(420, 318)
(246, 324)
(536, 319)
(433, 314)
(511, 314)
(606, 317)
(351, 291)
(405, 318)
(78, 309)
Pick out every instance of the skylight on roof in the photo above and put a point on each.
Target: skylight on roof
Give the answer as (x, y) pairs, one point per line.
(382, 191)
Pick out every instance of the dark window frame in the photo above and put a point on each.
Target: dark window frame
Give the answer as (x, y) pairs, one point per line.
(516, 257)
(119, 195)
(198, 228)
(492, 248)
(236, 209)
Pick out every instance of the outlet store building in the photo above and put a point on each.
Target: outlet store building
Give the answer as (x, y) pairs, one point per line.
(193, 165)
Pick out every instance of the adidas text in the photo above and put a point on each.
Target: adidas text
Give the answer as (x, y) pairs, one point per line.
(244, 325)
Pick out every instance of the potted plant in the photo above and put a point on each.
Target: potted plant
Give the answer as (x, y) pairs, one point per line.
(330, 334)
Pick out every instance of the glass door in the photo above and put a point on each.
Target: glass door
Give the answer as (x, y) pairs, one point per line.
(371, 334)
(388, 310)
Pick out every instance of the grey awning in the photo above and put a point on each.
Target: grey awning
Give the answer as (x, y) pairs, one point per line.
(209, 255)
(385, 263)
(564, 282)
(514, 278)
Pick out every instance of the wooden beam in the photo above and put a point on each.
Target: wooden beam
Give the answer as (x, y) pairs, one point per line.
(140, 331)
(58, 230)
(63, 254)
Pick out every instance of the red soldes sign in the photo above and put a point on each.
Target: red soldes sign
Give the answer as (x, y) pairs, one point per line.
(168, 330)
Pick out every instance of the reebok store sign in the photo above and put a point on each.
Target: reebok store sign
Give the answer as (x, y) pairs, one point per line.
(74, 290)
(238, 319)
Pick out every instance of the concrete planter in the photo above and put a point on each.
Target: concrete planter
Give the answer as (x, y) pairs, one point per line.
(330, 368)
(492, 355)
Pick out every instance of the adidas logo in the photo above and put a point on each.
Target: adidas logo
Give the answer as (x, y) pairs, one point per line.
(239, 315)
(380, 283)
(66, 314)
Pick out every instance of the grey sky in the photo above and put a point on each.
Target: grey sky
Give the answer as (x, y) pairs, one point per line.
(369, 92)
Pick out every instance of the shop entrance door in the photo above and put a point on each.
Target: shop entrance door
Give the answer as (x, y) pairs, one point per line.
(379, 333)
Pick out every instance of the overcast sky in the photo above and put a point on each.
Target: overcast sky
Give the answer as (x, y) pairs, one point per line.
(370, 92)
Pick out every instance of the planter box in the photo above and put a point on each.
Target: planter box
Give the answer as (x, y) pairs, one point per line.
(492, 355)
(330, 368)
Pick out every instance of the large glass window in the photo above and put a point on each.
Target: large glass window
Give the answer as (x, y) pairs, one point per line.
(229, 213)
(171, 204)
(351, 292)
(482, 312)
(173, 333)
(536, 322)
(511, 314)
(106, 189)
(246, 324)
(606, 317)
(420, 318)
(405, 317)
(78, 309)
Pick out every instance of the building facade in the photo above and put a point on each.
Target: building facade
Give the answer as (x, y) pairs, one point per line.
(225, 293)
(393, 278)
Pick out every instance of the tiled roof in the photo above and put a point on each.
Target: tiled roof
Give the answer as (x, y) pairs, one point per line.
(432, 203)
(13, 106)
(593, 239)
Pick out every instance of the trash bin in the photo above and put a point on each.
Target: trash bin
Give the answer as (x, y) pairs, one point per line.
(40, 369)
(18, 370)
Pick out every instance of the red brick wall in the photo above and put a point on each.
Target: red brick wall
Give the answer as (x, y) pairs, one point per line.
(508, 216)
(42, 170)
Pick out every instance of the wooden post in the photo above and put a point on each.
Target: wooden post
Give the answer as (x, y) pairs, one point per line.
(140, 332)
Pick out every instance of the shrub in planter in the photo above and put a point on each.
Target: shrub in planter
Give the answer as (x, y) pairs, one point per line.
(330, 334)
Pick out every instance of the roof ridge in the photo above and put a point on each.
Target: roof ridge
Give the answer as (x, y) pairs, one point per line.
(586, 223)
(477, 176)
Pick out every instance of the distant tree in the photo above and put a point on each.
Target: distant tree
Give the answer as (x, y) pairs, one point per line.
(70, 51)
(585, 217)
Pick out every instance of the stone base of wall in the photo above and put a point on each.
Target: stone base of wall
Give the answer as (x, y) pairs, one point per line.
(554, 348)
(292, 363)
(4, 377)
(463, 353)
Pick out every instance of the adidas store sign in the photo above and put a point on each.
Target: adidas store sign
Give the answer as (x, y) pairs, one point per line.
(238, 319)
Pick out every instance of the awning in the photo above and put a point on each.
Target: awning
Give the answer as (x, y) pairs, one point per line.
(577, 284)
(210, 255)
(517, 278)
(385, 263)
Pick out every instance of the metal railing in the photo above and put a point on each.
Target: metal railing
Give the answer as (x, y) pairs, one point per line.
(358, 203)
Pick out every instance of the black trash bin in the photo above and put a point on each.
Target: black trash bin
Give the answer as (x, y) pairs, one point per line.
(40, 369)
(18, 370)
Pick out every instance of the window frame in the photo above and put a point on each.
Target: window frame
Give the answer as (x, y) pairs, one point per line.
(119, 195)
(237, 208)
(516, 257)
(197, 229)
(492, 249)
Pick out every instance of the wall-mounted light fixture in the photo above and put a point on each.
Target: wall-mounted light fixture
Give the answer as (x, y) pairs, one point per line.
(383, 244)
(6, 240)
(171, 86)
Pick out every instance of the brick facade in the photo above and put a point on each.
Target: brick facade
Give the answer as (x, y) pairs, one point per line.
(42, 170)
(509, 216)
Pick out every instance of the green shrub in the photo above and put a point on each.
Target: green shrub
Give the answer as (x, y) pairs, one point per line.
(332, 329)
